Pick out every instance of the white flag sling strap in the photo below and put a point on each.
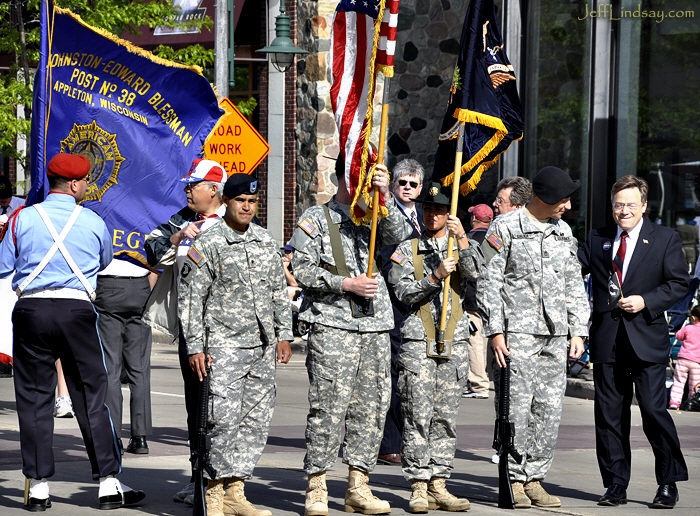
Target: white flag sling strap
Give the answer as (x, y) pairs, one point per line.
(58, 245)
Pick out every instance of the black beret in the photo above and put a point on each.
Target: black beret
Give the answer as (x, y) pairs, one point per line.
(435, 193)
(552, 184)
(238, 184)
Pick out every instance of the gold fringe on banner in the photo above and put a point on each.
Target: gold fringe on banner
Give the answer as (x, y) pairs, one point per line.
(130, 47)
(473, 117)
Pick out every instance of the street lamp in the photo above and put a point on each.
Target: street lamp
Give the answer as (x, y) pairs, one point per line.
(282, 48)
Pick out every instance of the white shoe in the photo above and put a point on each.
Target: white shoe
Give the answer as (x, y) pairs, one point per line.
(64, 407)
(183, 493)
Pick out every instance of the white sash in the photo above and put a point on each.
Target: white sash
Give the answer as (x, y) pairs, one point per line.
(58, 245)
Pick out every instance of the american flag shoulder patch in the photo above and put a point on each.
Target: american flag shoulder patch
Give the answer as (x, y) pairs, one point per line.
(495, 242)
(397, 257)
(307, 226)
(194, 255)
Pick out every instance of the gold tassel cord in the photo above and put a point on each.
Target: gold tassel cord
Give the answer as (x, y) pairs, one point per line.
(366, 178)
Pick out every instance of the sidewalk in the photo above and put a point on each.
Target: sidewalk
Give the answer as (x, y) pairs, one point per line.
(279, 482)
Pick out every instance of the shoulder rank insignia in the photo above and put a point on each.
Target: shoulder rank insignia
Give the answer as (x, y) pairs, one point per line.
(194, 255)
(307, 226)
(495, 242)
(397, 257)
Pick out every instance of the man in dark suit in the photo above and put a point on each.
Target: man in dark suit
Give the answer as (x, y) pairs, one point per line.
(638, 272)
(407, 180)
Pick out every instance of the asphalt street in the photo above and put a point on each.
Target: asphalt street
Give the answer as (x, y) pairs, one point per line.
(279, 482)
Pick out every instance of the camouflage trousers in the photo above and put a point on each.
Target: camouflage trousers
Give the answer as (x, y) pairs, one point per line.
(537, 385)
(430, 393)
(349, 386)
(241, 403)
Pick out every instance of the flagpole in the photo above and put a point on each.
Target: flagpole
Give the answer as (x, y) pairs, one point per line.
(380, 161)
(440, 341)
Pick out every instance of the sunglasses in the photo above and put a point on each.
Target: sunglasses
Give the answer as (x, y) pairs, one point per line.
(403, 182)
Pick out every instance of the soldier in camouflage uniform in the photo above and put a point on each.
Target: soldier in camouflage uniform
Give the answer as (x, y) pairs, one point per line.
(232, 288)
(348, 357)
(533, 299)
(430, 387)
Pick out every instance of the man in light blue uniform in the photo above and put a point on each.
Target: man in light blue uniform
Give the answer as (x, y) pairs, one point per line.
(56, 249)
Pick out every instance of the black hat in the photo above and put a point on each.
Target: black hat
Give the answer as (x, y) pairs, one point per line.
(435, 193)
(238, 184)
(552, 184)
(5, 187)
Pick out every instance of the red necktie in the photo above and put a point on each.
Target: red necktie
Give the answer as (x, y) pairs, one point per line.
(619, 259)
(414, 221)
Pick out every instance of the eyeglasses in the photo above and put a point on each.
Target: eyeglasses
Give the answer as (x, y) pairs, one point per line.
(86, 179)
(404, 182)
(500, 201)
(619, 206)
(191, 186)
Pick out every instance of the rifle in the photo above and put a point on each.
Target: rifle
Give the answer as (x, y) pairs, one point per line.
(200, 459)
(503, 440)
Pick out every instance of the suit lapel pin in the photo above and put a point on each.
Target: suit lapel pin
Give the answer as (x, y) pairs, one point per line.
(606, 246)
(645, 240)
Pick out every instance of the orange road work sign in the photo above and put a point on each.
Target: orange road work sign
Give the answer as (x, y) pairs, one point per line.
(234, 143)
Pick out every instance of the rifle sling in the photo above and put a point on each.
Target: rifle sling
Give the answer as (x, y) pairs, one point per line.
(340, 268)
(426, 317)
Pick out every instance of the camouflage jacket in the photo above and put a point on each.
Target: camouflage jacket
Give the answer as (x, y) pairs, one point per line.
(412, 292)
(533, 283)
(325, 301)
(234, 284)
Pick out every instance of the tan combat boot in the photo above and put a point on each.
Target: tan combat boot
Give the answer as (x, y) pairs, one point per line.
(359, 497)
(519, 497)
(235, 502)
(539, 497)
(440, 498)
(316, 495)
(419, 497)
(214, 497)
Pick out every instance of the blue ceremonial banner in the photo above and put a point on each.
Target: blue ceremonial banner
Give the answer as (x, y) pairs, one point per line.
(483, 96)
(139, 119)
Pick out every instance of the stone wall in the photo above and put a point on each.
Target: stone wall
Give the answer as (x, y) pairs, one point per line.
(426, 52)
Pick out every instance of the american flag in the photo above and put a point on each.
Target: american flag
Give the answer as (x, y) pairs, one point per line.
(353, 55)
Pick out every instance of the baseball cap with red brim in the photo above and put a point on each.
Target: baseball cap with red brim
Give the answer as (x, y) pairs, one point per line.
(205, 170)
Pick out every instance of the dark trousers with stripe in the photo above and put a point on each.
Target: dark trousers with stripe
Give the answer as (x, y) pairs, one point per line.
(44, 330)
(613, 398)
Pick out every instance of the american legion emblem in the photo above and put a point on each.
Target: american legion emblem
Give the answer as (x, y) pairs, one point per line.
(100, 147)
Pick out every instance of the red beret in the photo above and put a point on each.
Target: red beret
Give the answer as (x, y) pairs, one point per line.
(70, 166)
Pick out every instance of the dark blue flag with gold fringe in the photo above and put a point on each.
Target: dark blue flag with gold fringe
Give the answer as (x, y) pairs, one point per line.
(484, 96)
(139, 119)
